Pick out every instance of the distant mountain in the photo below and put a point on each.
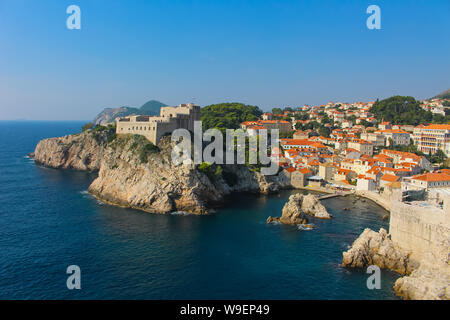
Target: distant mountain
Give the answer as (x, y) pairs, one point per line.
(150, 108)
(444, 95)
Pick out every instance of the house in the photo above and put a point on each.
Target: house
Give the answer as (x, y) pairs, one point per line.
(365, 184)
(326, 171)
(301, 135)
(385, 126)
(431, 138)
(363, 146)
(427, 181)
(397, 136)
(377, 139)
(352, 153)
(299, 177)
(255, 130)
(344, 174)
(388, 178)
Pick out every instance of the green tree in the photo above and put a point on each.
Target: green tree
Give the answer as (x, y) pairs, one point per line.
(401, 110)
(277, 111)
(228, 115)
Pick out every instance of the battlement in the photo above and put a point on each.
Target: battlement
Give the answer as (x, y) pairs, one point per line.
(154, 127)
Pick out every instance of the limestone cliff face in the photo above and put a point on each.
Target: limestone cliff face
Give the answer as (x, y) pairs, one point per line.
(377, 248)
(83, 151)
(153, 183)
(130, 177)
(427, 279)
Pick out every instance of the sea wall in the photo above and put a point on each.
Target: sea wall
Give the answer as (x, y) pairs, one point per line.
(375, 197)
(417, 246)
(424, 231)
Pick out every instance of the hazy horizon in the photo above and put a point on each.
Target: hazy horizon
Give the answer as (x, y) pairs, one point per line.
(264, 53)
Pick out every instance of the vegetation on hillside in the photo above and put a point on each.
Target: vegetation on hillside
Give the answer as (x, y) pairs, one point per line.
(401, 110)
(87, 126)
(139, 145)
(98, 131)
(405, 110)
(228, 115)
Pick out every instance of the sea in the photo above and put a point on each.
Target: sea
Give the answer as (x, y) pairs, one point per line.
(48, 222)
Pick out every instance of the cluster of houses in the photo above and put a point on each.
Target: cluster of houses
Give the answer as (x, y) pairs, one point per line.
(436, 106)
(355, 156)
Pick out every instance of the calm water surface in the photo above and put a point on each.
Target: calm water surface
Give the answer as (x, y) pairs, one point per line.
(48, 221)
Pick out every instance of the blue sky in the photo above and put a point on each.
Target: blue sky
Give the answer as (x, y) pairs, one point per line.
(266, 53)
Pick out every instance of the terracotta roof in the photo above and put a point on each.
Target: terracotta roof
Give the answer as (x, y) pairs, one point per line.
(389, 178)
(432, 177)
(438, 126)
(305, 170)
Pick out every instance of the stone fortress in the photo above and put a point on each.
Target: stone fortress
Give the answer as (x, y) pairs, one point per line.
(154, 127)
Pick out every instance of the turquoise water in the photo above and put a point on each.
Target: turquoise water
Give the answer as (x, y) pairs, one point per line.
(48, 222)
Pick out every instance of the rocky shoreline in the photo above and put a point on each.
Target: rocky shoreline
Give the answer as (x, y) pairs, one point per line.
(420, 281)
(131, 176)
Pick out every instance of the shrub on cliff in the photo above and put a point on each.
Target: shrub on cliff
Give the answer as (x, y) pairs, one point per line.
(143, 147)
(146, 150)
(87, 126)
(212, 171)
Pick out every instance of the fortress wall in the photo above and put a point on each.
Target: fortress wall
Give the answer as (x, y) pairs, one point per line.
(422, 231)
(171, 118)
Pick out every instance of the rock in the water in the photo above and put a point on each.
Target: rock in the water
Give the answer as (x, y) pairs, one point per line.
(292, 211)
(311, 205)
(297, 208)
(377, 248)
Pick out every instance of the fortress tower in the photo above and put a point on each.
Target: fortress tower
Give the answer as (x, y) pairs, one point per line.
(154, 127)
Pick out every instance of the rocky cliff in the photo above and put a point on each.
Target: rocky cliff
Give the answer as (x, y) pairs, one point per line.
(377, 248)
(135, 174)
(83, 151)
(424, 279)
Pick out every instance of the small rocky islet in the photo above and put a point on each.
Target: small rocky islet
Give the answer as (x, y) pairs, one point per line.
(298, 208)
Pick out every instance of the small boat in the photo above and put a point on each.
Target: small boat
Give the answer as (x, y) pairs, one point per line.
(346, 209)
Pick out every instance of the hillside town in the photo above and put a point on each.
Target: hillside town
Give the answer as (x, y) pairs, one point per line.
(342, 146)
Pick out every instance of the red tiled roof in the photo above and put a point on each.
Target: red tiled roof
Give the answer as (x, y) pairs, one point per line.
(389, 178)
